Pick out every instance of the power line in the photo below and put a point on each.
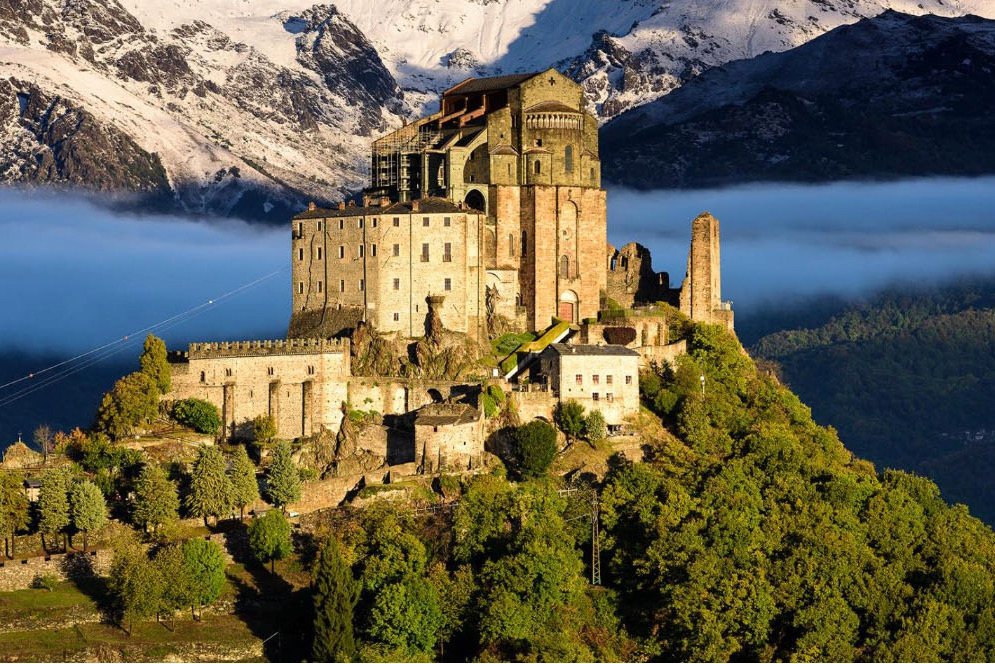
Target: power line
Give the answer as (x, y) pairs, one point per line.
(99, 353)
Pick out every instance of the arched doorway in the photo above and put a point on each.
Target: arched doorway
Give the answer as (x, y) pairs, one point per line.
(475, 200)
(567, 309)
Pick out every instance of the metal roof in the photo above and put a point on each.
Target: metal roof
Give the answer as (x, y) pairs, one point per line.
(591, 349)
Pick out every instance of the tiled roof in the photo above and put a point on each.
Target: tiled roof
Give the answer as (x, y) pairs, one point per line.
(590, 349)
(489, 83)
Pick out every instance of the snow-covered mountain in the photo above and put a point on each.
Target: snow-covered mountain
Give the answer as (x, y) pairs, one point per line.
(249, 107)
(916, 100)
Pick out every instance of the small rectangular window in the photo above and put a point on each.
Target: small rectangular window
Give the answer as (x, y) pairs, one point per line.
(300, 254)
(300, 287)
(397, 317)
(628, 380)
(360, 223)
(609, 396)
(594, 396)
(397, 284)
(319, 286)
(341, 251)
(300, 228)
(361, 247)
(373, 250)
(342, 286)
(269, 371)
(608, 379)
(374, 222)
(397, 250)
(424, 221)
(319, 253)
(341, 224)
(447, 253)
(447, 222)
(319, 226)
(449, 284)
(580, 379)
(397, 222)
(424, 252)
(595, 378)
(362, 285)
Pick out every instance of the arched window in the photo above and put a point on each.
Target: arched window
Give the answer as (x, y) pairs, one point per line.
(538, 167)
(568, 158)
(565, 266)
(525, 243)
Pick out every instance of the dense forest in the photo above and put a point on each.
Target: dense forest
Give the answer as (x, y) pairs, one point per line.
(907, 378)
(752, 534)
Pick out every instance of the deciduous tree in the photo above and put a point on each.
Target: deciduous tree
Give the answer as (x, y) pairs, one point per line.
(204, 563)
(43, 439)
(570, 418)
(133, 401)
(200, 415)
(535, 448)
(595, 427)
(269, 538)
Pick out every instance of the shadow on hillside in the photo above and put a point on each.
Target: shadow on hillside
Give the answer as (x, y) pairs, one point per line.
(78, 570)
(273, 610)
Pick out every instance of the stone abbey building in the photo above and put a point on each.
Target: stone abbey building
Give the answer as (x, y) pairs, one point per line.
(494, 202)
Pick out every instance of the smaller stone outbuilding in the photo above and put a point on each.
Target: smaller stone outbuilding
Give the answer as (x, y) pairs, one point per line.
(448, 436)
(32, 489)
(604, 378)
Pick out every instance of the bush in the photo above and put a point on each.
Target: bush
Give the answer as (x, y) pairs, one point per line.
(132, 402)
(263, 429)
(535, 448)
(200, 415)
(490, 408)
(595, 427)
(45, 582)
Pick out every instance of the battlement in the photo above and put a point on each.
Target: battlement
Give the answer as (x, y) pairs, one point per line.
(260, 347)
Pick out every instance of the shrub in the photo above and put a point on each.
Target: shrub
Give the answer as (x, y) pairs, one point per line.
(200, 415)
(497, 394)
(595, 427)
(535, 448)
(263, 428)
(45, 582)
(570, 418)
(490, 407)
(133, 401)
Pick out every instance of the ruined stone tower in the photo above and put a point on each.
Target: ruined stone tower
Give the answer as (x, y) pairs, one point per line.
(701, 292)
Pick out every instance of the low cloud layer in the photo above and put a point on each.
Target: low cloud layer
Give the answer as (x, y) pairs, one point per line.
(791, 241)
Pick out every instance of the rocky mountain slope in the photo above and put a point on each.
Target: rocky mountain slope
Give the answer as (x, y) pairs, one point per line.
(915, 100)
(250, 107)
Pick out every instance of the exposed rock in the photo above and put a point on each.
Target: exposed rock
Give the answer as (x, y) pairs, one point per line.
(19, 456)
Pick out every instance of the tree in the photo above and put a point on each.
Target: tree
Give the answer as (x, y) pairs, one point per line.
(204, 563)
(14, 513)
(405, 615)
(133, 401)
(87, 508)
(136, 585)
(283, 480)
(263, 429)
(156, 502)
(53, 503)
(200, 415)
(154, 364)
(179, 592)
(570, 418)
(595, 427)
(535, 448)
(336, 592)
(245, 487)
(43, 439)
(269, 538)
(210, 489)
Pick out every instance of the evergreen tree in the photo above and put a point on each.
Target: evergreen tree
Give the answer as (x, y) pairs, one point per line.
(204, 563)
(171, 565)
(245, 487)
(14, 513)
(156, 502)
(335, 595)
(154, 364)
(269, 538)
(87, 508)
(210, 489)
(132, 402)
(283, 480)
(53, 503)
(570, 418)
